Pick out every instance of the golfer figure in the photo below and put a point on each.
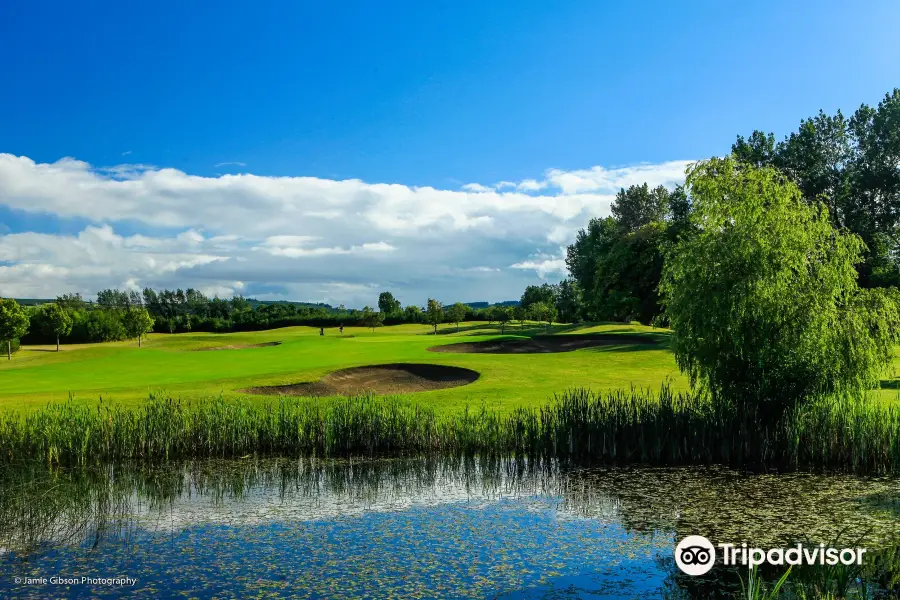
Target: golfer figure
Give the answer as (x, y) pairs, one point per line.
(321, 331)
(342, 329)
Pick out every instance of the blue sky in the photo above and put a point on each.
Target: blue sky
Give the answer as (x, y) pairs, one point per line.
(437, 94)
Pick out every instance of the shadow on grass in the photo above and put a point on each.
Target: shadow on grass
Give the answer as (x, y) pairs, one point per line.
(446, 329)
(632, 347)
(889, 384)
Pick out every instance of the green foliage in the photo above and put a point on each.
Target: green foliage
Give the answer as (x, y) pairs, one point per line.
(853, 167)
(615, 427)
(540, 311)
(70, 301)
(569, 301)
(457, 313)
(589, 247)
(639, 206)
(520, 313)
(763, 298)
(371, 318)
(434, 313)
(55, 320)
(137, 322)
(388, 304)
(628, 275)
(617, 262)
(502, 314)
(101, 325)
(412, 314)
(533, 294)
(13, 322)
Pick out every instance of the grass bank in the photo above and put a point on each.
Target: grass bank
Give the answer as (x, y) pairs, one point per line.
(616, 427)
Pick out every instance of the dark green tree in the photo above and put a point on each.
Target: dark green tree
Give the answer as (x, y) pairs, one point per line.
(457, 313)
(13, 323)
(853, 167)
(388, 304)
(628, 276)
(568, 301)
(434, 313)
(533, 294)
(55, 320)
(639, 205)
(583, 256)
(412, 314)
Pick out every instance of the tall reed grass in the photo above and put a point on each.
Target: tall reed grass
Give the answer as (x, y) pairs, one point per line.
(618, 427)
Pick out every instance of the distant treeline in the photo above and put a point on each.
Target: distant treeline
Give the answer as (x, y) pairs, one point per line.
(105, 319)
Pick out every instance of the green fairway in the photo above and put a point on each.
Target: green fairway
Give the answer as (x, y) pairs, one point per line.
(122, 372)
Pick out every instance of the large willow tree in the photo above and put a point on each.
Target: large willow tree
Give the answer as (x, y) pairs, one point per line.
(763, 298)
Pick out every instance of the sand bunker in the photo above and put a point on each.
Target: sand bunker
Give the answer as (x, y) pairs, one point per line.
(543, 344)
(398, 378)
(240, 346)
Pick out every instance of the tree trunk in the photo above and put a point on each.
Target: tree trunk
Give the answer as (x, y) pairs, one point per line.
(57, 343)
(139, 340)
(8, 349)
(457, 327)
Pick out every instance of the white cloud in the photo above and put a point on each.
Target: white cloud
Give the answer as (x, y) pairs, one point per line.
(302, 238)
(544, 265)
(230, 163)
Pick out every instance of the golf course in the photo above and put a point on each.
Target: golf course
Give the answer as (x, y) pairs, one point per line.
(523, 367)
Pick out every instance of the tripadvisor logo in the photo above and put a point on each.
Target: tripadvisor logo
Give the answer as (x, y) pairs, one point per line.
(696, 555)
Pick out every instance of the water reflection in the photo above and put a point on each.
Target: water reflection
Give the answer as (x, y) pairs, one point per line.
(423, 527)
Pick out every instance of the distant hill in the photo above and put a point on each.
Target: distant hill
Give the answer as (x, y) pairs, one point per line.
(254, 303)
(487, 304)
(33, 301)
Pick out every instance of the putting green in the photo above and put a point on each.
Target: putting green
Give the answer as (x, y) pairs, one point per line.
(123, 373)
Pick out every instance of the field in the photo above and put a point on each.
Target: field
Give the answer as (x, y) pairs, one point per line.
(125, 374)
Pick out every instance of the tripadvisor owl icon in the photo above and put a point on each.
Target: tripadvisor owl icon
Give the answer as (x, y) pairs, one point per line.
(695, 555)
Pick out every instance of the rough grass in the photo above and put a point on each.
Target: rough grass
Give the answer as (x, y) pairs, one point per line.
(124, 374)
(580, 426)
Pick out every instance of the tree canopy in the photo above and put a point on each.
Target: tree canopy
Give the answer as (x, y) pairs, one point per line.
(55, 320)
(457, 313)
(434, 313)
(388, 304)
(763, 298)
(137, 322)
(13, 323)
(853, 167)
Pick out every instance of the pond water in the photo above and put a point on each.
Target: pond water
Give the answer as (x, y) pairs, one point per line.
(421, 528)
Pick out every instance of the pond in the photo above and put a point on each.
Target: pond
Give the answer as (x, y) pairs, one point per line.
(421, 528)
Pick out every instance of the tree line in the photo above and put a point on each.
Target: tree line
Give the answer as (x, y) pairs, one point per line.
(118, 315)
(849, 166)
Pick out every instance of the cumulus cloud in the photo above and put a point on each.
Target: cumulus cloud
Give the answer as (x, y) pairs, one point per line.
(309, 238)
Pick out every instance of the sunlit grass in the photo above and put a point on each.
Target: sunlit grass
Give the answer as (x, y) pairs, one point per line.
(124, 374)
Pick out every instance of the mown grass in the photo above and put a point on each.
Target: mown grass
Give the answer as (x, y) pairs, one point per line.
(579, 426)
(122, 373)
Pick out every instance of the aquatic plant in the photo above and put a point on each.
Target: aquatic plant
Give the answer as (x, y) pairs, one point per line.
(616, 427)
